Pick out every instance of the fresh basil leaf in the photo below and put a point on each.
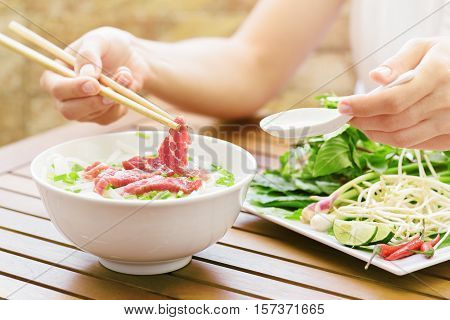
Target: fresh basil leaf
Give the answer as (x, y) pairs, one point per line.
(270, 211)
(308, 168)
(261, 189)
(273, 181)
(293, 161)
(333, 155)
(327, 187)
(267, 200)
(357, 157)
(307, 186)
(325, 102)
(377, 163)
(439, 157)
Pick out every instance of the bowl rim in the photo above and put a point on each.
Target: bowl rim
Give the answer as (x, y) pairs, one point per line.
(152, 203)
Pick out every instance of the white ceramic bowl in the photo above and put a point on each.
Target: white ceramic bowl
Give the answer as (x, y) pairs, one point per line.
(145, 237)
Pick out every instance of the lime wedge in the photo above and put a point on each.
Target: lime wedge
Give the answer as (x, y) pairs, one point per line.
(354, 233)
(384, 234)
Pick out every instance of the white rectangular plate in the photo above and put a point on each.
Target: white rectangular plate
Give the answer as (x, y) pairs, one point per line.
(399, 267)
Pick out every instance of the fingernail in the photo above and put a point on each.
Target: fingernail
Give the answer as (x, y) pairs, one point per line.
(87, 70)
(383, 70)
(107, 101)
(123, 80)
(345, 108)
(88, 87)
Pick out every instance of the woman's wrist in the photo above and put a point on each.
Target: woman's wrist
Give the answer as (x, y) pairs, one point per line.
(148, 52)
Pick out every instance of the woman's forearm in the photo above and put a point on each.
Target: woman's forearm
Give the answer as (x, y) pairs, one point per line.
(232, 77)
(222, 77)
(214, 76)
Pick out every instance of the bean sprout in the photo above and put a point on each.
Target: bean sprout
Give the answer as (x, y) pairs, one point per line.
(411, 205)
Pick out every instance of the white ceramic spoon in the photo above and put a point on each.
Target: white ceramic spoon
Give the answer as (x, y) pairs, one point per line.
(308, 122)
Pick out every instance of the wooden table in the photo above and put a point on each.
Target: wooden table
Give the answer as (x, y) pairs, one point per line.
(255, 260)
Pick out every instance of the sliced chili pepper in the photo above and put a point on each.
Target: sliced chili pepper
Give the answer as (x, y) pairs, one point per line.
(385, 250)
(427, 248)
(406, 251)
(430, 244)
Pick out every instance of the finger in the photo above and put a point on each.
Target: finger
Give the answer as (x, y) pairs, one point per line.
(426, 108)
(88, 61)
(126, 78)
(391, 100)
(414, 135)
(112, 114)
(72, 48)
(407, 58)
(94, 115)
(136, 66)
(63, 88)
(439, 143)
(76, 109)
(123, 76)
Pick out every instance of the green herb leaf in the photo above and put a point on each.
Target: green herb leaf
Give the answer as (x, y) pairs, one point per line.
(180, 194)
(273, 181)
(333, 156)
(69, 178)
(226, 179)
(268, 200)
(77, 168)
(143, 135)
(165, 195)
(308, 186)
(327, 187)
(296, 215)
(445, 243)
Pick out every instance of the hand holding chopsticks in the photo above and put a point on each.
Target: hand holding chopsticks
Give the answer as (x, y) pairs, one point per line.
(110, 88)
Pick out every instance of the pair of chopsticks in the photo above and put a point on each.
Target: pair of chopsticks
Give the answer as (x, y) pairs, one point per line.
(108, 88)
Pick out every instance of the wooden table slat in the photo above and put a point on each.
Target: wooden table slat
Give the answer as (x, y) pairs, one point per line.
(215, 254)
(310, 277)
(44, 230)
(13, 289)
(86, 263)
(254, 224)
(23, 203)
(71, 282)
(23, 171)
(36, 227)
(18, 184)
(299, 252)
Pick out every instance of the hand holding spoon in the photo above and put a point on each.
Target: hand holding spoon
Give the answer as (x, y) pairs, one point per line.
(308, 122)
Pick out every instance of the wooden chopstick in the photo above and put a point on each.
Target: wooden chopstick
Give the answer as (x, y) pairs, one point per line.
(59, 53)
(66, 72)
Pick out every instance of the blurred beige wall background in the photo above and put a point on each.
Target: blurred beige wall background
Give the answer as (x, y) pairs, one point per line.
(26, 110)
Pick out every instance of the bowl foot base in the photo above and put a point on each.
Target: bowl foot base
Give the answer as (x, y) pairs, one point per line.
(145, 268)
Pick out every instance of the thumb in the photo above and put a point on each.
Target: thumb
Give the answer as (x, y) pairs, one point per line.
(407, 58)
(88, 61)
